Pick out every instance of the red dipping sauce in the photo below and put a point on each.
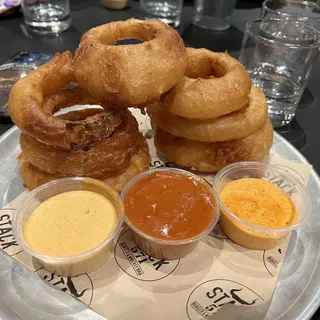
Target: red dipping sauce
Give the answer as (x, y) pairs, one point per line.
(169, 205)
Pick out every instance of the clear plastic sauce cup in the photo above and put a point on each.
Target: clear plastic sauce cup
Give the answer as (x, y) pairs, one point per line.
(169, 249)
(253, 236)
(75, 264)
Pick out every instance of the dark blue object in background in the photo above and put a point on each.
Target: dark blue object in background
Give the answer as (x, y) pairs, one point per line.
(35, 58)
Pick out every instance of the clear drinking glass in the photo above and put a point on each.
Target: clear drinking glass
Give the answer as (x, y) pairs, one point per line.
(279, 54)
(213, 14)
(304, 11)
(46, 17)
(168, 11)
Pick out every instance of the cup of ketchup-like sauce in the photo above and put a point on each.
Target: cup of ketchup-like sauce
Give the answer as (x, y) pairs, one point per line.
(170, 210)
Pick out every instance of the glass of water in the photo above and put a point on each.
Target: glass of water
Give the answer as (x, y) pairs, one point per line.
(213, 14)
(279, 54)
(46, 16)
(305, 11)
(168, 11)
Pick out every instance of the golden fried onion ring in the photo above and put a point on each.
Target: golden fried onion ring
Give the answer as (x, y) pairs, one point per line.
(233, 126)
(95, 160)
(33, 177)
(30, 112)
(199, 96)
(128, 75)
(213, 156)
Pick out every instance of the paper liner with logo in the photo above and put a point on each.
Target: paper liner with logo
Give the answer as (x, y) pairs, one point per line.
(217, 280)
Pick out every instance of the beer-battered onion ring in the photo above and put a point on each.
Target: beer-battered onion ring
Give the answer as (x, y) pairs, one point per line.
(229, 127)
(198, 95)
(33, 177)
(29, 111)
(129, 75)
(213, 156)
(96, 160)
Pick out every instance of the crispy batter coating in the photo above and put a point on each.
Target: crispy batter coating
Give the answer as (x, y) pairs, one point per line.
(96, 160)
(33, 115)
(229, 127)
(139, 162)
(213, 156)
(129, 75)
(33, 177)
(214, 84)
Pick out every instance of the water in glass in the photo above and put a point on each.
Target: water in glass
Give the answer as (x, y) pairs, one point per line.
(213, 15)
(51, 16)
(168, 11)
(279, 54)
(307, 12)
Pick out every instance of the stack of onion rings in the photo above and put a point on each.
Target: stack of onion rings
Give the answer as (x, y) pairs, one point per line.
(104, 142)
(205, 112)
(98, 142)
(213, 116)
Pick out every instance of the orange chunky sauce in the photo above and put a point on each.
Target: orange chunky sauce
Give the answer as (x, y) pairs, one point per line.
(169, 206)
(259, 202)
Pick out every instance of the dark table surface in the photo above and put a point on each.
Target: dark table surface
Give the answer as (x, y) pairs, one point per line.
(303, 133)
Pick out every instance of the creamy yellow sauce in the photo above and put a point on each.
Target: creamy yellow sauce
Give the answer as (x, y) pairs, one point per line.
(70, 223)
(259, 202)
